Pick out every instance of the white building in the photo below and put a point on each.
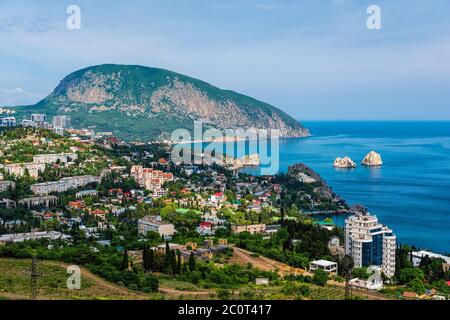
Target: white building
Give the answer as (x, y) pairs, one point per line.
(155, 224)
(7, 121)
(373, 283)
(63, 185)
(52, 158)
(20, 237)
(38, 117)
(6, 185)
(370, 243)
(19, 169)
(61, 121)
(417, 257)
(329, 267)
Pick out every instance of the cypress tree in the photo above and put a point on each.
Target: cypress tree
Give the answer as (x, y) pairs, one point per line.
(178, 268)
(124, 260)
(151, 260)
(173, 262)
(191, 262)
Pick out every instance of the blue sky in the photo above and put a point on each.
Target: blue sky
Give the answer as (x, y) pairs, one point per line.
(313, 59)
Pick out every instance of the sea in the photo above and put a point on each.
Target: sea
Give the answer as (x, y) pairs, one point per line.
(410, 193)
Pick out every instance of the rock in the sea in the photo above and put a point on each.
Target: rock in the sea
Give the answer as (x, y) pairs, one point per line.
(345, 162)
(372, 159)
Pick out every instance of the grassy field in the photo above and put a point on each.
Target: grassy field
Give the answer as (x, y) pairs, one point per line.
(51, 284)
(15, 284)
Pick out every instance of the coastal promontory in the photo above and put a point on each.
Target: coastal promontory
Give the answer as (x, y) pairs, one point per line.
(345, 162)
(372, 159)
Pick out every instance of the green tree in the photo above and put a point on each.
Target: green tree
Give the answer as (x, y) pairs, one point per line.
(148, 258)
(192, 262)
(178, 267)
(124, 265)
(360, 273)
(417, 285)
(409, 274)
(320, 277)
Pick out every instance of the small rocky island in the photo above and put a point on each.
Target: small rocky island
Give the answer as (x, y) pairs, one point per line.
(372, 159)
(345, 162)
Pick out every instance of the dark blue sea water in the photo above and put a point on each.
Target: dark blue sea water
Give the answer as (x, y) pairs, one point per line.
(410, 193)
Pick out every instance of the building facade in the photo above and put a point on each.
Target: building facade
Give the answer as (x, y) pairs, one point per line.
(370, 243)
(43, 189)
(7, 185)
(61, 121)
(7, 121)
(155, 224)
(52, 158)
(150, 179)
(19, 169)
(252, 228)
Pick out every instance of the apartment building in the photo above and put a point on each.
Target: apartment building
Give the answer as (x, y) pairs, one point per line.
(155, 224)
(149, 178)
(370, 243)
(253, 228)
(7, 121)
(61, 121)
(52, 158)
(6, 185)
(38, 117)
(63, 185)
(19, 169)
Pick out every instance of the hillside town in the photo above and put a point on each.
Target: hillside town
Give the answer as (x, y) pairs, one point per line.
(67, 189)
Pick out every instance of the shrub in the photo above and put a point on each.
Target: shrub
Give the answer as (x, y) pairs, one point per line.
(320, 277)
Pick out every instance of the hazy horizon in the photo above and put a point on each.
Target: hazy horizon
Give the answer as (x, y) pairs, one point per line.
(315, 61)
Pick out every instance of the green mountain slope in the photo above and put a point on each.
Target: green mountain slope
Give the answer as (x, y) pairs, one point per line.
(142, 103)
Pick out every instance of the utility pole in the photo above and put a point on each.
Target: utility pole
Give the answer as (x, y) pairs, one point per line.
(347, 266)
(347, 286)
(33, 278)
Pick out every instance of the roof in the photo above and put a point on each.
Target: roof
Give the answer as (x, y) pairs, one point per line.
(324, 263)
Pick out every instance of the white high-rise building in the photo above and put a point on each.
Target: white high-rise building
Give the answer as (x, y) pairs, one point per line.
(7, 121)
(61, 121)
(370, 243)
(39, 117)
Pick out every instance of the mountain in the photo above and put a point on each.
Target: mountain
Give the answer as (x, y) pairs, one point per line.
(142, 103)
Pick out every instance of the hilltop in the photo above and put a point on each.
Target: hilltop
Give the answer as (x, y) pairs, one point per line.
(143, 103)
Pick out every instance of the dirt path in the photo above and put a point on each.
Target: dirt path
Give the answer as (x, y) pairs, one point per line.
(176, 293)
(243, 257)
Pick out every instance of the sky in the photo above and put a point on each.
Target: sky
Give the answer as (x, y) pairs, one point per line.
(316, 60)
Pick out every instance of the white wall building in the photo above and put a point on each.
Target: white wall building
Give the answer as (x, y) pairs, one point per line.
(19, 169)
(370, 243)
(52, 158)
(417, 257)
(63, 185)
(7, 121)
(61, 121)
(155, 224)
(329, 267)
